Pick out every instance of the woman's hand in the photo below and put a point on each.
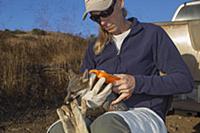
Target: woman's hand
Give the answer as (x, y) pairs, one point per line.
(124, 87)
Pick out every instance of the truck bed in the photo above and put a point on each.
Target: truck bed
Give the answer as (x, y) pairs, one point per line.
(186, 36)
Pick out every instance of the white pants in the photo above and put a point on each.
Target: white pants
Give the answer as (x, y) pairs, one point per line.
(142, 120)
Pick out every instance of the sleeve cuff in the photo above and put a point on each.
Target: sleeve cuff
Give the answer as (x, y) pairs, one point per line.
(138, 84)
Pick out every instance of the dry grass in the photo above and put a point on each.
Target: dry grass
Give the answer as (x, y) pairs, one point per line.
(34, 67)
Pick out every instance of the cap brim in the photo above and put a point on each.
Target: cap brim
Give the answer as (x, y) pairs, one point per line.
(101, 7)
(84, 15)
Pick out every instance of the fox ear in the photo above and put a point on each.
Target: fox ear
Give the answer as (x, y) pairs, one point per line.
(85, 76)
(71, 74)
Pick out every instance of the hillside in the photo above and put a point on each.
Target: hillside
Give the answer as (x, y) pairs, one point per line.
(34, 68)
(33, 79)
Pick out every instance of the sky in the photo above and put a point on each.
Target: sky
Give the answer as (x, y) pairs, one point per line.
(66, 15)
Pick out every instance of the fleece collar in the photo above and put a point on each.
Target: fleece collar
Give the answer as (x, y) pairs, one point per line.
(136, 26)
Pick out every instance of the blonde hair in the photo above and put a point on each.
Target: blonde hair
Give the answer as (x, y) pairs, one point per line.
(104, 37)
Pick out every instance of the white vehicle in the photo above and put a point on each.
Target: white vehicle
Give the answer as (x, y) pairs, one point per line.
(184, 30)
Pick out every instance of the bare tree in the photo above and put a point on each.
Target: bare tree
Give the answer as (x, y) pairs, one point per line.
(67, 21)
(43, 17)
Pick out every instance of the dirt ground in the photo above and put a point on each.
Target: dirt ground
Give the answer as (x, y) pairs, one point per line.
(183, 124)
(38, 121)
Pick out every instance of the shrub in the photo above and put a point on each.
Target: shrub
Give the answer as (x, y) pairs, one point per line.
(38, 32)
(18, 32)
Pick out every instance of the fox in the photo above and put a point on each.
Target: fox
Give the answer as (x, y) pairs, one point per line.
(79, 84)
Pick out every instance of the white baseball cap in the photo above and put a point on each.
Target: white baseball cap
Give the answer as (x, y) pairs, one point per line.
(96, 5)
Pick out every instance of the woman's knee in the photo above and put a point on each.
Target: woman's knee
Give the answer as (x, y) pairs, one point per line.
(109, 123)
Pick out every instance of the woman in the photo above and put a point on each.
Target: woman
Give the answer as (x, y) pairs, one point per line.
(137, 53)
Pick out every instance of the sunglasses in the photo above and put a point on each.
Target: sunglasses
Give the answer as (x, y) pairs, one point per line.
(103, 14)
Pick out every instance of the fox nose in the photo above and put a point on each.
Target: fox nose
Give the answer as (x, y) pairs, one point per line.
(103, 23)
